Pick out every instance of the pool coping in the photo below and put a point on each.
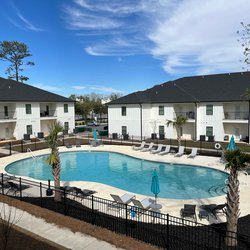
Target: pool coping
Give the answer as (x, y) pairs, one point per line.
(171, 206)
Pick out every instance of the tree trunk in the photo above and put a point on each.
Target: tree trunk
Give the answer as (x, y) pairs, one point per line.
(56, 174)
(232, 208)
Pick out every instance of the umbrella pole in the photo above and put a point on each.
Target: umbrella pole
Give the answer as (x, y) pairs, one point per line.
(156, 199)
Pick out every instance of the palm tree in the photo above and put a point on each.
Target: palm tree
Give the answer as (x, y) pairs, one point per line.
(236, 161)
(178, 123)
(54, 158)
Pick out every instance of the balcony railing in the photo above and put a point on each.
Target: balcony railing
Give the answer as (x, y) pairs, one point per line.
(7, 116)
(50, 113)
(236, 115)
(188, 115)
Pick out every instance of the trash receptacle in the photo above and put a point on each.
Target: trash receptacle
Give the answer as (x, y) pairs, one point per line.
(125, 136)
(114, 136)
(40, 135)
(26, 137)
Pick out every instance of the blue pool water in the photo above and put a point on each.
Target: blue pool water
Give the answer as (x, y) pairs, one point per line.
(128, 173)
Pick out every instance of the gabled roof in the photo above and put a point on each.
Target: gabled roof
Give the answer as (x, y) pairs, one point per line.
(208, 88)
(13, 91)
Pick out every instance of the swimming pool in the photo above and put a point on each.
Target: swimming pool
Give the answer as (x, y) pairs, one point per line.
(127, 173)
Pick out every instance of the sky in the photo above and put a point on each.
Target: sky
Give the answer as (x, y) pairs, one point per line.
(121, 46)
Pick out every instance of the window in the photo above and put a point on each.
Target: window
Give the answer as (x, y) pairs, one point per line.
(66, 126)
(161, 130)
(28, 109)
(6, 112)
(209, 131)
(29, 129)
(124, 111)
(161, 110)
(209, 110)
(124, 130)
(66, 108)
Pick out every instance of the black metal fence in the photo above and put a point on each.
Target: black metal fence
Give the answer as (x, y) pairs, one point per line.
(204, 147)
(158, 229)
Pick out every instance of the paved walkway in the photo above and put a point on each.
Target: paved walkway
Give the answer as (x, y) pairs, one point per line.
(61, 236)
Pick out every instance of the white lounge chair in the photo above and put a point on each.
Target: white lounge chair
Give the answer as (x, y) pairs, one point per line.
(180, 152)
(145, 203)
(193, 153)
(150, 147)
(166, 151)
(124, 199)
(155, 151)
(139, 147)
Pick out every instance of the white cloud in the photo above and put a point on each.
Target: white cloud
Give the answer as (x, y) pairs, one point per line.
(79, 87)
(187, 35)
(106, 89)
(27, 24)
(201, 36)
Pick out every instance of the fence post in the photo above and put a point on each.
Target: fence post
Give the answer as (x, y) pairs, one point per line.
(92, 208)
(20, 183)
(41, 195)
(132, 140)
(10, 147)
(167, 231)
(200, 147)
(185, 145)
(2, 184)
(22, 146)
(64, 201)
(126, 220)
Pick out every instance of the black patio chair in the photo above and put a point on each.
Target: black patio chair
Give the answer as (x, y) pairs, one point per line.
(188, 211)
(14, 187)
(215, 209)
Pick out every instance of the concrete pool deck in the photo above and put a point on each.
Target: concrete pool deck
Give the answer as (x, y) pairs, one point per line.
(171, 206)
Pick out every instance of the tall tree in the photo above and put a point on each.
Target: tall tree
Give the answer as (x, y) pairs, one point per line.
(54, 158)
(15, 53)
(245, 42)
(178, 123)
(236, 161)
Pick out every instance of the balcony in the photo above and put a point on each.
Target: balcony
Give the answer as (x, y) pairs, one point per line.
(7, 116)
(48, 114)
(190, 115)
(236, 115)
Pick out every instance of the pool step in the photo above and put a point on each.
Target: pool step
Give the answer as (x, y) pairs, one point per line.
(217, 190)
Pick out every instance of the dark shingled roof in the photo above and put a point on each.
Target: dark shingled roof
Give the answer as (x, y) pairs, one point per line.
(13, 91)
(208, 88)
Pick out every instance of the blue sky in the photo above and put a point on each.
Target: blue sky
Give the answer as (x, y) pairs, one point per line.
(105, 46)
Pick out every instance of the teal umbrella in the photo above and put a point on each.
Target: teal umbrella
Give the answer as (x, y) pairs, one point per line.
(231, 144)
(95, 134)
(155, 187)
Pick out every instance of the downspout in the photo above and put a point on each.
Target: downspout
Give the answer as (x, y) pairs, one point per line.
(141, 118)
(195, 125)
(248, 120)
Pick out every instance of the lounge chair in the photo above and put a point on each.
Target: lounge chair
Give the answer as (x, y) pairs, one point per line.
(193, 153)
(214, 209)
(124, 199)
(180, 152)
(166, 151)
(14, 187)
(139, 147)
(81, 193)
(78, 144)
(144, 204)
(68, 145)
(158, 150)
(188, 211)
(150, 147)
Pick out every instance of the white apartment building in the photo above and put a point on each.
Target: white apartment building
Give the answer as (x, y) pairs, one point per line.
(214, 105)
(25, 109)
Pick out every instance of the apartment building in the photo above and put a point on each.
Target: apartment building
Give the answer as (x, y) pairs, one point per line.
(215, 107)
(25, 109)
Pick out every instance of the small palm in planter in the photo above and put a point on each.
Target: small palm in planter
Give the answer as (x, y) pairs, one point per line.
(236, 161)
(54, 158)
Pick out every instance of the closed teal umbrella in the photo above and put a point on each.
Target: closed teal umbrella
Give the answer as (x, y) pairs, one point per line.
(95, 134)
(231, 144)
(155, 187)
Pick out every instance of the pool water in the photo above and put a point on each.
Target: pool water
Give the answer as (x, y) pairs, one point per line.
(128, 173)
